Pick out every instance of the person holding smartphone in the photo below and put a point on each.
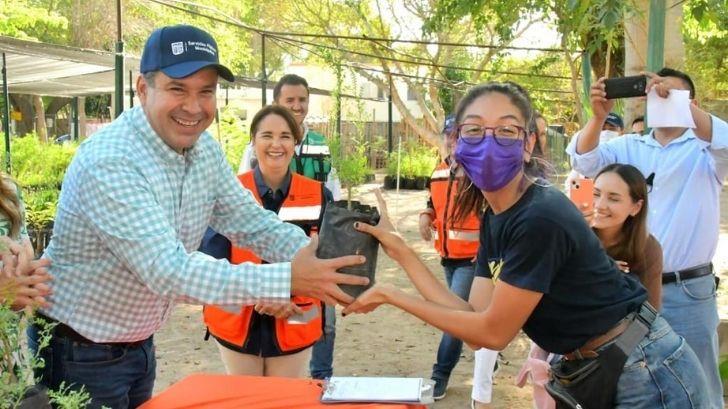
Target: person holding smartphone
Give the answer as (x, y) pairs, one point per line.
(689, 165)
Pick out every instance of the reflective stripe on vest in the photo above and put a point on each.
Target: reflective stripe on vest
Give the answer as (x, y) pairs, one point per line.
(300, 213)
(305, 197)
(441, 174)
(315, 150)
(472, 236)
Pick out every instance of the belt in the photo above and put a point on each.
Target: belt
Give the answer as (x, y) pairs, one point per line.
(645, 315)
(64, 331)
(688, 273)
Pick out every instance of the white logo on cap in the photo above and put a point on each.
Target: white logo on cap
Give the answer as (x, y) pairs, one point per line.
(178, 48)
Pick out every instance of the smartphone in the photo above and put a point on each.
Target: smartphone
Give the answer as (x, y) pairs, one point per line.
(626, 87)
(582, 193)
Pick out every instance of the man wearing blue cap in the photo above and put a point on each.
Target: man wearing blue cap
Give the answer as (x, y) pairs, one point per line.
(457, 243)
(135, 203)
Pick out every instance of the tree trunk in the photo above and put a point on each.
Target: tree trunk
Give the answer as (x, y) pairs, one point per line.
(40, 122)
(635, 56)
(23, 103)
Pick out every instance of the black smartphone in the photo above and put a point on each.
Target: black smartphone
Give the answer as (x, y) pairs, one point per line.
(626, 87)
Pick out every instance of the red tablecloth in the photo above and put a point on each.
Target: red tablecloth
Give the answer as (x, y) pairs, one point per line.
(250, 392)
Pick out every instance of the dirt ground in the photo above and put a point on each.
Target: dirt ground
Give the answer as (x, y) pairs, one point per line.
(386, 342)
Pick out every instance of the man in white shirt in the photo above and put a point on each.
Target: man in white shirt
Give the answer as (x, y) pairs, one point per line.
(687, 167)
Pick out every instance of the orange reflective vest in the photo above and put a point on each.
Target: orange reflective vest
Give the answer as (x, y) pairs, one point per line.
(452, 240)
(302, 207)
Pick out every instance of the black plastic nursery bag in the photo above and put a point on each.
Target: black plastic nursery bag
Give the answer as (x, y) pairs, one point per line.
(339, 238)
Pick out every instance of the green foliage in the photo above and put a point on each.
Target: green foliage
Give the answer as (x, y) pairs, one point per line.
(32, 20)
(705, 30)
(416, 160)
(233, 135)
(39, 169)
(67, 398)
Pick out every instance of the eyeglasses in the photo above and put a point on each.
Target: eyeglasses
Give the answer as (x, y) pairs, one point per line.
(505, 135)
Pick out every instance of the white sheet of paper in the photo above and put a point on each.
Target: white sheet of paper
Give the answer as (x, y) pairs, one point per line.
(670, 112)
(370, 389)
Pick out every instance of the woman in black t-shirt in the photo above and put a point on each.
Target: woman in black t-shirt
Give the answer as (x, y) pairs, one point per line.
(541, 269)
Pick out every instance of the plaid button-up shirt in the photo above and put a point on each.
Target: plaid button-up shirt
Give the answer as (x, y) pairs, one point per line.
(131, 215)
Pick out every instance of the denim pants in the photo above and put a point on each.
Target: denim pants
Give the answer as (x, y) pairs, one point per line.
(690, 308)
(459, 280)
(322, 358)
(662, 372)
(115, 376)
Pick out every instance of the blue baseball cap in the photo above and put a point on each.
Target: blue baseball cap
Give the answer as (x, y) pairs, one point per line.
(180, 51)
(449, 124)
(615, 120)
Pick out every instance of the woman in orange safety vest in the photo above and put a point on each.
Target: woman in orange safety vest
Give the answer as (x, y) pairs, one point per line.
(270, 340)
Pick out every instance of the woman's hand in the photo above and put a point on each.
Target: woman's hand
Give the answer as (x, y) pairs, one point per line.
(425, 226)
(26, 290)
(622, 265)
(384, 231)
(280, 311)
(369, 300)
(588, 213)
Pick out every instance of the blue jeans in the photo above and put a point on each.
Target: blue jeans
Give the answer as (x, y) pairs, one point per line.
(459, 280)
(116, 377)
(322, 357)
(662, 372)
(690, 308)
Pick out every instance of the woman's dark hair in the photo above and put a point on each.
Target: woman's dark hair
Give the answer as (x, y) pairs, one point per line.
(281, 111)
(633, 237)
(469, 197)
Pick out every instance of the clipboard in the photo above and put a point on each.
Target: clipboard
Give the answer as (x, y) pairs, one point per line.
(343, 389)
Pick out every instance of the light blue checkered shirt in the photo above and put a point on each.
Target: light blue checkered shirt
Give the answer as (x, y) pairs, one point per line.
(131, 215)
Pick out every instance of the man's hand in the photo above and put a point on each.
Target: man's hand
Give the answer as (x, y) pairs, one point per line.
(601, 106)
(315, 277)
(281, 311)
(426, 226)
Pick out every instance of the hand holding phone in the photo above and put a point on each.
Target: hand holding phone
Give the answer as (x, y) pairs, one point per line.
(582, 194)
(625, 87)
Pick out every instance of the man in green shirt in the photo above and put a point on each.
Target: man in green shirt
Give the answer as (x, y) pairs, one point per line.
(312, 157)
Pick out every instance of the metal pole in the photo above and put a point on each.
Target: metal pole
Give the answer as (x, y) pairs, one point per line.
(390, 142)
(338, 100)
(131, 90)
(74, 107)
(263, 75)
(6, 116)
(656, 36)
(118, 65)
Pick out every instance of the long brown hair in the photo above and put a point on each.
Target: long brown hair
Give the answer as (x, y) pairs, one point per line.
(10, 204)
(633, 236)
(469, 198)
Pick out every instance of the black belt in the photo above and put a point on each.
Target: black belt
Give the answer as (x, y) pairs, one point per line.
(64, 331)
(688, 273)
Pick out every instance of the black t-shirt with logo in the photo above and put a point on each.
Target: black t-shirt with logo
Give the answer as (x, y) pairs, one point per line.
(543, 244)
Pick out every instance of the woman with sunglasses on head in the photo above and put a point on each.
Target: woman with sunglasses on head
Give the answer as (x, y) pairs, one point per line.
(541, 269)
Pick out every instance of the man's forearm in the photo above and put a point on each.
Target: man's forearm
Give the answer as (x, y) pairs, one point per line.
(589, 136)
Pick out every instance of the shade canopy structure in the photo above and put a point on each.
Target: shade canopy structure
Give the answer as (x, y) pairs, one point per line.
(56, 70)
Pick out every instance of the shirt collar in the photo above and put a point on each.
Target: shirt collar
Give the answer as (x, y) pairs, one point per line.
(138, 119)
(263, 188)
(649, 138)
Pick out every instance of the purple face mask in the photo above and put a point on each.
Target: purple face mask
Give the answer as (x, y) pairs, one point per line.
(489, 165)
